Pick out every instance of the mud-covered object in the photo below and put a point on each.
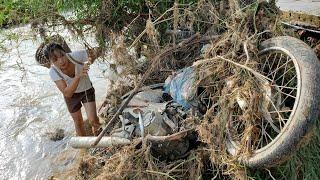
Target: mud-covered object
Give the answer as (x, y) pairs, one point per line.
(153, 118)
(147, 113)
(182, 87)
(124, 132)
(173, 146)
(156, 124)
(152, 95)
(145, 97)
(106, 111)
(57, 135)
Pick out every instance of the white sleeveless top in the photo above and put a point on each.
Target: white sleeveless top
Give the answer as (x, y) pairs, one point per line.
(77, 58)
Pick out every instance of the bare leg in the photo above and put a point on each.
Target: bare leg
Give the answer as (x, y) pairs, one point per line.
(78, 123)
(91, 111)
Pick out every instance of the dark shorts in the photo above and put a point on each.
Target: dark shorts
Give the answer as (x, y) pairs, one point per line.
(74, 102)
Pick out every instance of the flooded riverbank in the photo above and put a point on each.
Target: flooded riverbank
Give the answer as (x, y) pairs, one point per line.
(30, 108)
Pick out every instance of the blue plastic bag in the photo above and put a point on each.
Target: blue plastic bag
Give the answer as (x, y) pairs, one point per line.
(182, 87)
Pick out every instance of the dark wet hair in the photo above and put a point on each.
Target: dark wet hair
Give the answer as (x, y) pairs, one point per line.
(50, 48)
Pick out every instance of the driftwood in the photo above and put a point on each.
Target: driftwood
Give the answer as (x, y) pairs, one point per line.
(188, 42)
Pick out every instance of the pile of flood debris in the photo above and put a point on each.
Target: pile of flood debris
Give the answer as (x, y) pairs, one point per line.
(184, 91)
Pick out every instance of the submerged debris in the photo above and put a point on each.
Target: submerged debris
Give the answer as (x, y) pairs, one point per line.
(57, 135)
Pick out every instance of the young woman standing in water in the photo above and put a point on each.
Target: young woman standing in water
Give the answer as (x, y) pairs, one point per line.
(69, 72)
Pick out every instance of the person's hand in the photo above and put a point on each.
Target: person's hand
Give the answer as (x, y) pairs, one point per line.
(83, 71)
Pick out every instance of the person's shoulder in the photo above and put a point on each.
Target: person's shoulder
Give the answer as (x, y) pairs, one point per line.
(54, 75)
(51, 70)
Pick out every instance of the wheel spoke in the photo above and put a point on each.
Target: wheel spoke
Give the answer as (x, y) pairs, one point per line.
(275, 106)
(269, 136)
(279, 67)
(284, 100)
(266, 61)
(274, 60)
(271, 112)
(288, 95)
(284, 73)
(265, 133)
(295, 76)
(285, 69)
(284, 87)
(282, 120)
(275, 73)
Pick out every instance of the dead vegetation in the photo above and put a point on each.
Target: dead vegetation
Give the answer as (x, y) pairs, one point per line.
(226, 70)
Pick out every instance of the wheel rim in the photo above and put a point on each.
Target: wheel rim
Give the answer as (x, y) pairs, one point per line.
(281, 94)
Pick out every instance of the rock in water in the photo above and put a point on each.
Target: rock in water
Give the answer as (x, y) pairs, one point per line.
(57, 135)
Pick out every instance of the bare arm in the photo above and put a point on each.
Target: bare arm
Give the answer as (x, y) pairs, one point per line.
(68, 91)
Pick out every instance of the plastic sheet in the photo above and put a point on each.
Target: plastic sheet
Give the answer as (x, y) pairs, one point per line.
(182, 87)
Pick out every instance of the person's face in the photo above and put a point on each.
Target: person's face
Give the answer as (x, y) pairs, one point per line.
(59, 59)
